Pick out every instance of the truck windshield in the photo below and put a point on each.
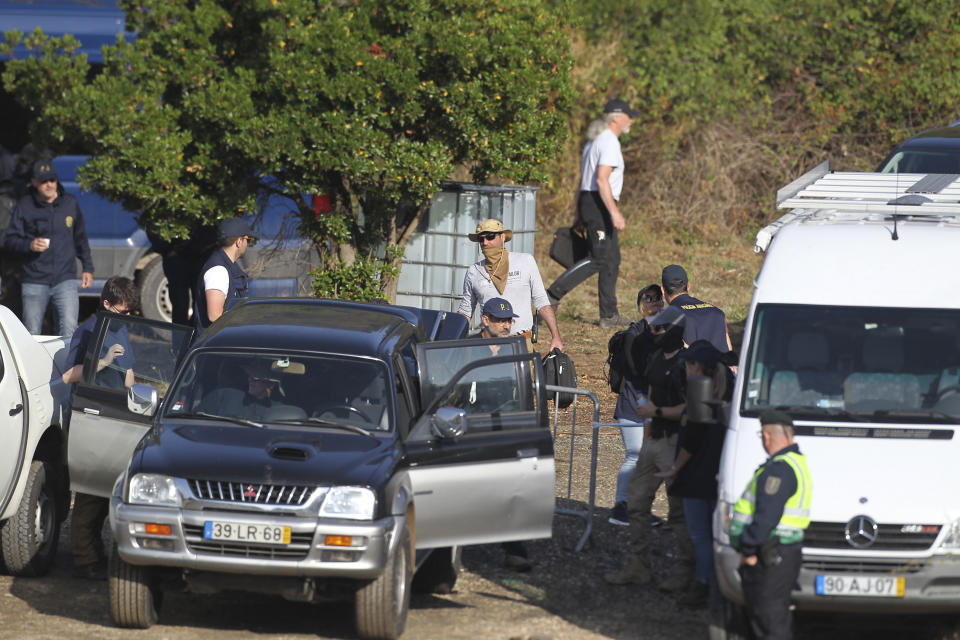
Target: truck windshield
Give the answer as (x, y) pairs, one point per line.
(855, 363)
(283, 388)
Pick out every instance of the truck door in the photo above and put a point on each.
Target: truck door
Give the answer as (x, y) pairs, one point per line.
(14, 431)
(103, 432)
(495, 482)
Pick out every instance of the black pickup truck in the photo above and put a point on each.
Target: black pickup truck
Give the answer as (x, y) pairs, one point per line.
(310, 448)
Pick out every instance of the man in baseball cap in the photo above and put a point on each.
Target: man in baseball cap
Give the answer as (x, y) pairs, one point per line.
(221, 277)
(703, 321)
(601, 181)
(497, 318)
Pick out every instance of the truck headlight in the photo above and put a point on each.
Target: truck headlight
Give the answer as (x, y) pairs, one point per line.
(154, 489)
(355, 503)
(951, 539)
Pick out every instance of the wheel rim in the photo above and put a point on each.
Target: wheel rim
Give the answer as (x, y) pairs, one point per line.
(43, 520)
(400, 581)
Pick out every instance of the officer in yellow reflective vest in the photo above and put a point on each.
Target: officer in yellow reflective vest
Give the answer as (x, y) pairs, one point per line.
(767, 528)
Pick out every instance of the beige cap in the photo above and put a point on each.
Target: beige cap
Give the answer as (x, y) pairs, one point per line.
(491, 226)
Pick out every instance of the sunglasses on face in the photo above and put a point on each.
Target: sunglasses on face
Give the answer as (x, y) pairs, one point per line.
(124, 312)
(488, 235)
(652, 298)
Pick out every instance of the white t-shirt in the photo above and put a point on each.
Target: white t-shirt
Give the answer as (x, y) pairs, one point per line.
(524, 285)
(216, 278)
(602, 150)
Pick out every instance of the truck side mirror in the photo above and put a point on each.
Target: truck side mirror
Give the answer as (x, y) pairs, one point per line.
(449, 422)
(143, 399)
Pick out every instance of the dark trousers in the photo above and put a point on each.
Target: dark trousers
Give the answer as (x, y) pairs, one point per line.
(604, 257)
(182, 273)
(767, 593)
(86, 543)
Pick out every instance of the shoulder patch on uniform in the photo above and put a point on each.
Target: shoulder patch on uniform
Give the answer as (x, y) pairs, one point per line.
(771, 486)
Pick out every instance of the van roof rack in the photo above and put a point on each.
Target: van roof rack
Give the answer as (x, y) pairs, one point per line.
(825, 196)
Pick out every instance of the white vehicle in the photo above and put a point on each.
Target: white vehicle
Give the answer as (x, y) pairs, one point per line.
(854, 329)
(34, 494)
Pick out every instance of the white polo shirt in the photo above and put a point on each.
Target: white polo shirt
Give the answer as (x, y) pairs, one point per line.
(602, 150)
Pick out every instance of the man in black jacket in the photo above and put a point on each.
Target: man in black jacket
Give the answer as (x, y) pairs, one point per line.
(703, 320)
(48, 230)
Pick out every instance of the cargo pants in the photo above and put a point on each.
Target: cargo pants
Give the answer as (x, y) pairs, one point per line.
(656, 454)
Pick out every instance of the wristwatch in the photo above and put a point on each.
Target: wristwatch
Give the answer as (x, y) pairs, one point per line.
(658, 412)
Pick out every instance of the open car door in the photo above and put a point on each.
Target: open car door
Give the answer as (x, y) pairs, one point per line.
(103, 431)
(481, 455)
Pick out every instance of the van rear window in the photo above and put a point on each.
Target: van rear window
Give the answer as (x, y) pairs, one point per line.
(855, 364)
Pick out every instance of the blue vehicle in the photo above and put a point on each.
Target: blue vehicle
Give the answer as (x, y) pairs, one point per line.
(279, 264)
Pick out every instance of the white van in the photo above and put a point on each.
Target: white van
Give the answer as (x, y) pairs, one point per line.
(854, 329)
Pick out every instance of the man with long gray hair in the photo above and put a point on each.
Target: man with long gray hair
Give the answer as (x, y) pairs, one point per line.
(601, 181)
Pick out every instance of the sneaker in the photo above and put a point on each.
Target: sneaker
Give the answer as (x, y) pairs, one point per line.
(695, 597)
(655, 521)
(613, 322)
(618, 515)
(517, 563)
(634, 573)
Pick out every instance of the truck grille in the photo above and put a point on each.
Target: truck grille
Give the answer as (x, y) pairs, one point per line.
(874, 567)
(890, 537)
(293, 495)
(298, 548)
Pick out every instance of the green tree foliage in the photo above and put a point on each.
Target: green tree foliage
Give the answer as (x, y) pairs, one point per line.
(373, 102)
(855, 65)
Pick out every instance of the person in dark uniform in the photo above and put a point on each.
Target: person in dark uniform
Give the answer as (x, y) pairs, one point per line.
(767, 528)
(115, 370)
(221, 277)
(666, 397)
(704, 321)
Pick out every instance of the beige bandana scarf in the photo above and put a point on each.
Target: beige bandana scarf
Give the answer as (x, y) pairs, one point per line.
(498, 265)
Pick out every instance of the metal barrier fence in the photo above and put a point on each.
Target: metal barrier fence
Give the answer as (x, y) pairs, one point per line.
(585, 514)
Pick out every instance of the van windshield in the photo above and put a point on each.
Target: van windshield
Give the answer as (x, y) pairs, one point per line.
(855, 363)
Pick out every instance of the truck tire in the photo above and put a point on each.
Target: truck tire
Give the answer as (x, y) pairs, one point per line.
(154, 294)
(438, 574)
(134, 595)
(30, 537)
(382, 604)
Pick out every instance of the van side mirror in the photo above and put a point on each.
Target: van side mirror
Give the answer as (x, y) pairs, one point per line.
(143, 399)
(449, 422)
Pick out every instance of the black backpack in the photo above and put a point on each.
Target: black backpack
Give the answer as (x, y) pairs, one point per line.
(620, 356)
(558, 370)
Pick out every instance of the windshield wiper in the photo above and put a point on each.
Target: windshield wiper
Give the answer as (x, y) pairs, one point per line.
(916, 415)
(327, 423)
(204, 414)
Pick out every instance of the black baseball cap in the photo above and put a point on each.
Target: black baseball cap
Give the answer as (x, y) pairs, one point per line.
(620, 106)
(674, 275)
(499, 308)
(43, 171)
(234, 228)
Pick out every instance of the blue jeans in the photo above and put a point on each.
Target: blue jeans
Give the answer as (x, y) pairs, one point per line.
(632, 441)
(66, 306)
(699, 514)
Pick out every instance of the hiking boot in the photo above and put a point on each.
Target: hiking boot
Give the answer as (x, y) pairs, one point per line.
(613, 322)
(695, 597)
(678, 580)
(634, 573)
(517, 563)
(618, 515)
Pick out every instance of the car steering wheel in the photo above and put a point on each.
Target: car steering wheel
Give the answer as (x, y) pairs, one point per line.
(344, 407)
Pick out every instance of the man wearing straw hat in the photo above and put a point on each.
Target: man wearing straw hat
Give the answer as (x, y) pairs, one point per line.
(509, 275)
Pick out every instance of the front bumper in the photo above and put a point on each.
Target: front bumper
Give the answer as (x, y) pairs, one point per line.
(932, 584)
(307, 555)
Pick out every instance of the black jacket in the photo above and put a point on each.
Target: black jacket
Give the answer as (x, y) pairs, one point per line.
(62, 222)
